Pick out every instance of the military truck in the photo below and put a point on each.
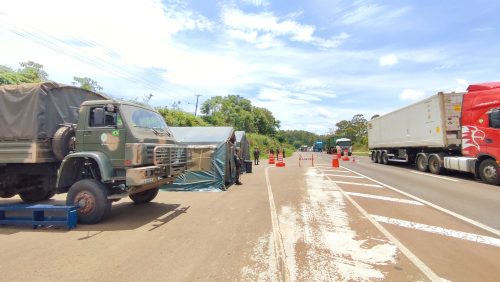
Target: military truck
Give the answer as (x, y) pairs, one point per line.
(56, 138)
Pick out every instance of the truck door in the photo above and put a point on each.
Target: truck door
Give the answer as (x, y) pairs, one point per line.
(105, 133)
(492, 133)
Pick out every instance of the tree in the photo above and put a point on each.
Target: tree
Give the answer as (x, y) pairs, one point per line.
(33, 71)
(176, 117)
(29, 72)
(355, 129)
(236, 111)
(87, 83)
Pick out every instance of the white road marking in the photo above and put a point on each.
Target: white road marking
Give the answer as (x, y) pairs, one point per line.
(355, 183)
(278, 240)
(348, 176)
(436, 176)
(323, 170)
(404, 201)
(454, 214)
(412, 257)
(439, 230)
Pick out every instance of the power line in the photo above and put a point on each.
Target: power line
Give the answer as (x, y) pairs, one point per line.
(50, 42)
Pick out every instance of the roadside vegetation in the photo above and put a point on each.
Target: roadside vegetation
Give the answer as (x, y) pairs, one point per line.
(262, 128)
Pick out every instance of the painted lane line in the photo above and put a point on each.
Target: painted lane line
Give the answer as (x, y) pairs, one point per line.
(411, 256)
(348, 176)
(329, 170)
(354, 183)
(404, 201)
(454, 214)
(439, 230)
(323, 165)
(436, 176)
(283, 272)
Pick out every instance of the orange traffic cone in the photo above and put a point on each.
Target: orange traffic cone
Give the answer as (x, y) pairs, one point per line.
(271, 159)
(346, 155)
(280, 162)
(335, 161)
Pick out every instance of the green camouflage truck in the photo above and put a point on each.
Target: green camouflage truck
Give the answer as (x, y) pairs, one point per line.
(56, 138)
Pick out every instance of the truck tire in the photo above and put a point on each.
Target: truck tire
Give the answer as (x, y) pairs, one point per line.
(36, 195)
(422, 164)
(92, 198)
(488, 171)
(434, 164)
(379, 157)
(144, 196)
(385, 158)
(63, 142)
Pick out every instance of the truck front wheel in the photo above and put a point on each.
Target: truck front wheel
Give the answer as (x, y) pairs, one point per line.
(144, 196)
(488, 171)
(91, 197)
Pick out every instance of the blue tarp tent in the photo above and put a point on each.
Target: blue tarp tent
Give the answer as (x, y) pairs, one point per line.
(213, 167)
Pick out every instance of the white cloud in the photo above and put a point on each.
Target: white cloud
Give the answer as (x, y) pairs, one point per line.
(411, 94)
(462, 82)
(263, 28)
(366, 12)
(325, 113)
(388, 60)
(361, 13)
(258, 3)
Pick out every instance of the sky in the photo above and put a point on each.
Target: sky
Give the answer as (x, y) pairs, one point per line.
(311, 63)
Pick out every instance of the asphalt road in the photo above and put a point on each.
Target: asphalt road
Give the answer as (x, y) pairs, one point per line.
(458, 192)
(297, 223)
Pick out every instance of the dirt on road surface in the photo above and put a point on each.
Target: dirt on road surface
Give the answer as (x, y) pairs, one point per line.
(282, 224)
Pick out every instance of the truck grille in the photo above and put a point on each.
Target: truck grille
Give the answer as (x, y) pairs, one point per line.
(171, 155)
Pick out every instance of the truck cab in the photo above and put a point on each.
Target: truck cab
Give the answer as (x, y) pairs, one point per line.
(481, 129)
(343, 144)
(121, 149)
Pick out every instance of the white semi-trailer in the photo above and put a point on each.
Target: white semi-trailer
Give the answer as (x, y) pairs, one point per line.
(456, 131)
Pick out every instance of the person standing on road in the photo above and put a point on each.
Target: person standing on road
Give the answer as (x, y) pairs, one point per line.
(283, 151)
(238, 163)
(277, 152)
(256, 155)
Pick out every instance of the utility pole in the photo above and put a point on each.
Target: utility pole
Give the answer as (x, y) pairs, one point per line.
(196, 109)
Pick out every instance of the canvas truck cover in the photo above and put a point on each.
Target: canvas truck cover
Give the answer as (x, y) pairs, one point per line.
(36, 110)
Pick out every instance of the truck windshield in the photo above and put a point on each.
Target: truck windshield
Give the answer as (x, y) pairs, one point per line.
(143, 118)
(344, 143)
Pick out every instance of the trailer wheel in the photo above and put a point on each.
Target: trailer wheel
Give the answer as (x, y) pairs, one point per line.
(488, 171)
(144, 196)
(385, 158)
(63, 142)
(90, 196)
(379, 157)
(373, 156)
(422, 163)
(434, 165)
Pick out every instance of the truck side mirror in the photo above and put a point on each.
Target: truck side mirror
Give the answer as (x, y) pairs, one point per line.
(98, 117)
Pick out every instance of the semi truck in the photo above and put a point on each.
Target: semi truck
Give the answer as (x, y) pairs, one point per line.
(318, 146)
(338, 144)
(56, 138)
(447, 131)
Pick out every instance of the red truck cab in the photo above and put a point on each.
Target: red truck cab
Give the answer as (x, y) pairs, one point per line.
(481, 129)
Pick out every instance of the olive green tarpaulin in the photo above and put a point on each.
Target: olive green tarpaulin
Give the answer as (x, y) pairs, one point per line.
(36, 110)
(212, 150)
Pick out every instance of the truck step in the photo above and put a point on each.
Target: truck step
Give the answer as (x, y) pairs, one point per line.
(38, 215)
